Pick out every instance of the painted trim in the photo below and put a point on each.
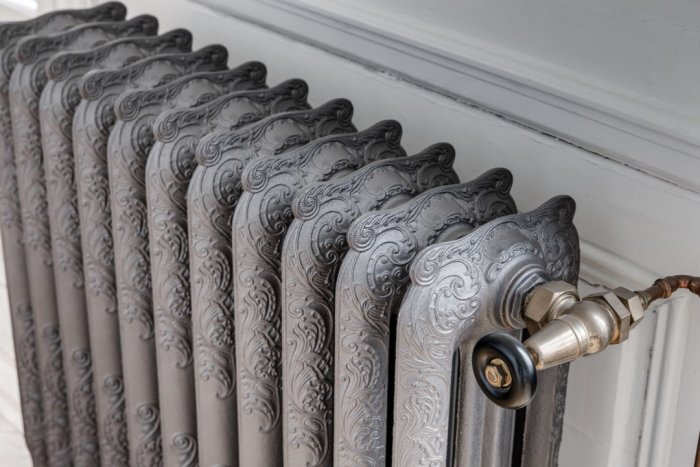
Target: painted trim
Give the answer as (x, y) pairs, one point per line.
(662, 401)
(629, 129)
(662, 395)
(605, 268)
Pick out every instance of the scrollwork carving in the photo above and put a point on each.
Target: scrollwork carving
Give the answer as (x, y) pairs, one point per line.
(22, 314)
(65, 66)
(93, 121)
(128, 146)
(149, 450)
(31, 49)
(168, 170)
(185, 445)
(260, 222)
(53, 395)
(211, 199)
(458, 290)
(57, 108)
(190, 91)
(11, 33)
(114, 443)
(146, 72)
(26, 83)
(313, 248)
(371, 284)
(83, 416)
(28, 373)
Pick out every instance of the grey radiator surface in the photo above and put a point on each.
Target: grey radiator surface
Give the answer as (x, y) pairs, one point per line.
(204, 270)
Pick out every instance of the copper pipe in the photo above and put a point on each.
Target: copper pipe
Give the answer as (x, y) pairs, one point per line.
(663, 288)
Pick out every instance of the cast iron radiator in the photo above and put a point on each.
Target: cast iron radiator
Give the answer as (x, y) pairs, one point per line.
(204, 270)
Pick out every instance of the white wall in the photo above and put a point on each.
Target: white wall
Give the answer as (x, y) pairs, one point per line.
(647, 48)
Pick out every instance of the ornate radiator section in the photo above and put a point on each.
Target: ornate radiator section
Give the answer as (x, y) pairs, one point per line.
(204, 270)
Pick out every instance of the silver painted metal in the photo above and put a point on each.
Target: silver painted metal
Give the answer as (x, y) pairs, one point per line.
(101, 359)
(459, 291)
(170, 165)
(372, 281)
(313, 248)
(129, 157)
(169, 168)
(128, 146)
(213, 192)
(260, 222)
(546, 302)
(93, 121)
(21, 311)
(26, 84)
(575, 327)
(545, 419)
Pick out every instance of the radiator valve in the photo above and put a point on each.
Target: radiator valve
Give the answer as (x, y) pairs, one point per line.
(562, 328)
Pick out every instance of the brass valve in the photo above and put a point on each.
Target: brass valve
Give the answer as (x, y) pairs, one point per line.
(578, 328)
(562, 328)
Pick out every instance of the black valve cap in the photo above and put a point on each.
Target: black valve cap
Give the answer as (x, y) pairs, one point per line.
(520, 366)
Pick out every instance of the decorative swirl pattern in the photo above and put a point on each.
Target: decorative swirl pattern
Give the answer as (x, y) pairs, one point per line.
(96, 83)
(313, 248)
(149, 452)
(173, 162)
(32, 196)
(92, 191)
(57, 107)
(171, 125)
(56, 128)
(26, 86)
(260, 223)
(337, 111)
(212, 196)
(371, 284)
(10, 215)
(458, 290)
(28, 375)
(169, 169)
(128, 147)
(71, 66)
(53, 387)
(83, 416)
(185, 445)
(30, 49)
(114, 445)
(191, 91)
(65, 360)
(10, 218)
(48, 23)
(24, 109)
(92, 124)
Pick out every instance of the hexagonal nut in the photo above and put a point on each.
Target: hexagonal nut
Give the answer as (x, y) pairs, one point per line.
(623, 315)
(498, 374)
(633, 303)
(548, 301)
